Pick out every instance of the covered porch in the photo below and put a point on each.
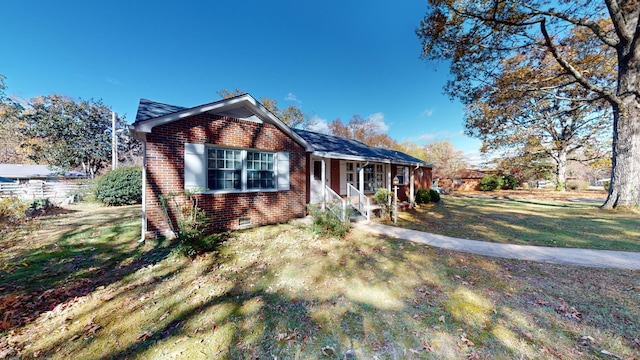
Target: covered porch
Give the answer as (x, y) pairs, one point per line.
(340, 169)
(355, 181)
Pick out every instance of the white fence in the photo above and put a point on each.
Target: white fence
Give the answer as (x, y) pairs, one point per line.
(41, 190)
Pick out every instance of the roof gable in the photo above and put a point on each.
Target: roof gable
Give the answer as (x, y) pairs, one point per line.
(151, 114)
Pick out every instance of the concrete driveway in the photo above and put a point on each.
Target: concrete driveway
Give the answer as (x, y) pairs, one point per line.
(580, 257)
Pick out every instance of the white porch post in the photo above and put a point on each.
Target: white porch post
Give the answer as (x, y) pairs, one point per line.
(323, 179)
(361, 178)
(412, 198)
(389, 181)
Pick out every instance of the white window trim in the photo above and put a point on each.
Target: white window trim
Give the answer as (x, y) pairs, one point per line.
(196, 173)
(405, 174)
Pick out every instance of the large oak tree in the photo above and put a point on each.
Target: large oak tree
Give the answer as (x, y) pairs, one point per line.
(10, 129)
(477, 36)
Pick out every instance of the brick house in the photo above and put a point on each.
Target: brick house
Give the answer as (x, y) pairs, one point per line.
(248, 168)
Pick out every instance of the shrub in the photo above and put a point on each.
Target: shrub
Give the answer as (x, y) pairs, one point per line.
(423, 196)
(40, 207)
(122, 186)
(490, 183)
(434, 196)
(509, 182)
(13, 211)
(384, 198)
(577, 185)
(325, 223)
(188, 224)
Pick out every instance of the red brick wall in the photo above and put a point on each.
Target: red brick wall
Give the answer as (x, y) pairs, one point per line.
(423, 182)
(334, 182)
(165, 172)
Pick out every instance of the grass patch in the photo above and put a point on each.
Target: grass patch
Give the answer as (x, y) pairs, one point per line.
(528, 222)
(283, 292)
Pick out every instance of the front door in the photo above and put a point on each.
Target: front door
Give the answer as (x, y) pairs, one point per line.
(316, 178)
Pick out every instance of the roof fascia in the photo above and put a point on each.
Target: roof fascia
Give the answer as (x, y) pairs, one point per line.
(362, 158)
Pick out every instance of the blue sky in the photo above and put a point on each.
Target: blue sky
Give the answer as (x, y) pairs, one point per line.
(331, 58)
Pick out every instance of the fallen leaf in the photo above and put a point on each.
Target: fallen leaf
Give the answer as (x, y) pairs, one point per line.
(328, 351)
(426, 346)
(473, 355)
(464, 339)
(606, 352)
(144, 336)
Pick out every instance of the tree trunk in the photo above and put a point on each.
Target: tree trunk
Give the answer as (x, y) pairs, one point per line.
(561, 171)
(625, 177)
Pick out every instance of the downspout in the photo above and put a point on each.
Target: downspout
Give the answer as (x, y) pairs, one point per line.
(143, 228)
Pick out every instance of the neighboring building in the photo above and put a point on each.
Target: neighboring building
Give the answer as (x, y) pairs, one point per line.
(28, 172)
(248, 168)
(466, 180)
(37, 181)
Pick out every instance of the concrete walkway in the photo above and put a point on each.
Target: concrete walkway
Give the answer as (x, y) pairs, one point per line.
(580, 257)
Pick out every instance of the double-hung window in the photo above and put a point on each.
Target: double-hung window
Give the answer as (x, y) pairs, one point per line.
(225, 169)
(260, 170)
(402, 172)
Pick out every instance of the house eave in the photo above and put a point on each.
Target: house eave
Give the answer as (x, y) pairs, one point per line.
(330, 155)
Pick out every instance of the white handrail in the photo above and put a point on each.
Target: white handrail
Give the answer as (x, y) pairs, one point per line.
(336, 204)
(359, 201)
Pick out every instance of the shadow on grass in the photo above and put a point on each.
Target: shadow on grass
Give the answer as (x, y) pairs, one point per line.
(280, 292)
(70, 256)
(386, 300)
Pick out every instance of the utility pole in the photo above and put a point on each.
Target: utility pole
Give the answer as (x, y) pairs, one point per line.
(114, 142)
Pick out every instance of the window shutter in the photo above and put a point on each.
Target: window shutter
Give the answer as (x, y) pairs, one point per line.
(195, 167)
(282, 169)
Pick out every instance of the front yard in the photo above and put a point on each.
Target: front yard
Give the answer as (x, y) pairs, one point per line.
(513, 218)
(77, 285)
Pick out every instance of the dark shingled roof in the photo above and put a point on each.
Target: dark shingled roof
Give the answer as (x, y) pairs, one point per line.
(148, 109)
(323, 144)
(337, 147)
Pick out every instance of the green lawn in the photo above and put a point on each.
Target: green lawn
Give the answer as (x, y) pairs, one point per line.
(77, 285)
(529, 222)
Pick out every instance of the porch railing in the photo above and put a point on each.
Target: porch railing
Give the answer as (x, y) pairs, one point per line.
(335, 204)
(359, 201)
